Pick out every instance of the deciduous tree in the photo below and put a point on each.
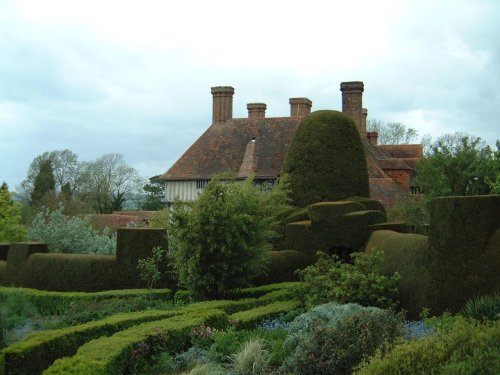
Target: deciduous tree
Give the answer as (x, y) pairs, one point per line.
(11, 229)
(392, 133)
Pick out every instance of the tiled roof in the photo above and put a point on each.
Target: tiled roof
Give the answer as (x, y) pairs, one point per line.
(228, 147)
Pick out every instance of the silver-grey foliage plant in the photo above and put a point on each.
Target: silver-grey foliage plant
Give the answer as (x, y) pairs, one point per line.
(74, 235)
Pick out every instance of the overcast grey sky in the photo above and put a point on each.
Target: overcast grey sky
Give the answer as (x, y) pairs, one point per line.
(134, 77)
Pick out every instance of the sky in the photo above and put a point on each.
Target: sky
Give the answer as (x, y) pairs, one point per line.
(134, 77)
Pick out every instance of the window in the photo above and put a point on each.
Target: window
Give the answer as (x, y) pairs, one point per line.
(201, 184)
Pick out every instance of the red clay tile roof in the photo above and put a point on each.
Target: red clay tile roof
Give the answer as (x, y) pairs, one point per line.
(221, 148)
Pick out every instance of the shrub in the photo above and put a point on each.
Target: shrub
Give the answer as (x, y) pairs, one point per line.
(253, 358)
(326, 160)
(483, 308)
(337, 350)
(17, 257)
(220, 243)
(207, 369)
(468, 347)
(331, 280)
(283, 264)
(66, 234)
(11, 229)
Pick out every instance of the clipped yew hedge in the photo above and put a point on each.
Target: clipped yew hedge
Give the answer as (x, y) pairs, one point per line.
(326, 160)
(407, 255)
(283, 264)
(17, 257)
(463, 261)
(70, 272)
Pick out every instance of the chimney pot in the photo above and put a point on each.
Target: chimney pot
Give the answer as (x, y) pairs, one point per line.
(300, 107)
(256, 110)
(372, 137)
(222, 104)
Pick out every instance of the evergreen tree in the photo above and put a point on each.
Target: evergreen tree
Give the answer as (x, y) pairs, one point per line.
(154, 194)
(45, 183)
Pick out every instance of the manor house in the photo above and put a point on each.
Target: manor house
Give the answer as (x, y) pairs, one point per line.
(257, 145)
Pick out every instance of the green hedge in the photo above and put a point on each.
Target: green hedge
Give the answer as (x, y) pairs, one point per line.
(70, 272)
(134, 244)
(369, 204)
(259, 291)
(332, 212)
(41, 349)
(18, 256)
(298, 214)
(3, 272)
(117, 354)
(395, 226)
(4, 250)
(405, 254)
(299, 237)
(250, 318)
(283, 264)
(326, 160)
(55, 303)
(461, 263)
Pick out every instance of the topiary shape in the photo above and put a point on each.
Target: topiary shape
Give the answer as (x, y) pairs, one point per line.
(326, 160)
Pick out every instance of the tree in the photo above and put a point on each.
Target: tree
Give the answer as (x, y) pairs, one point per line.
(457, 164)
(220, 242)
(149, 269)
(11, 229)
(108, 182)
(154, 193)
(44, 183)
(392, 133)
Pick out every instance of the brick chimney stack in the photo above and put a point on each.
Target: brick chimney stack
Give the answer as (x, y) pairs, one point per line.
(222, 104)
(256, 110)
(300, 107)
(352, 102)
(364, 115)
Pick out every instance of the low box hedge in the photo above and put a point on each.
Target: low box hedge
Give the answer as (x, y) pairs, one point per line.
(55, 303)
(117, 354)
(39, 350)
(250, 318)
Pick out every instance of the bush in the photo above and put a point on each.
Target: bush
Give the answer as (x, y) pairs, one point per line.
(66, 234)
(11, 229)
(220, 243)
(339, 339)
(338, 350)
(483, 308)
(329, 280)
(467, 348)
(17, 257)
(326, 160)
(283, 264)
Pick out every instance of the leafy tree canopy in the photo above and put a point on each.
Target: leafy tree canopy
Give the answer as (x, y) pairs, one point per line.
(458, 164)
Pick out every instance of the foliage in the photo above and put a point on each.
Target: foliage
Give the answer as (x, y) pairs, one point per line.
(483, 308)
(458, 164)
(329, 280)
(44, 183)
(220, 242)
(149, 268)
(160, 219)
(202, 336)
(338, 348)
(392, 133)
(468, 347)
(11, 229)
(326, 160)
(207, 369)
(154, 190)
(253, 358)
(70, 234)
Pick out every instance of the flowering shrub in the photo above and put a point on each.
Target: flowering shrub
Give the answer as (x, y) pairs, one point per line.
(416, 330)
(65, 234)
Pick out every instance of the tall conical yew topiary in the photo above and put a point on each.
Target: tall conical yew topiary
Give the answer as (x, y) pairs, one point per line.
(326, 160)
